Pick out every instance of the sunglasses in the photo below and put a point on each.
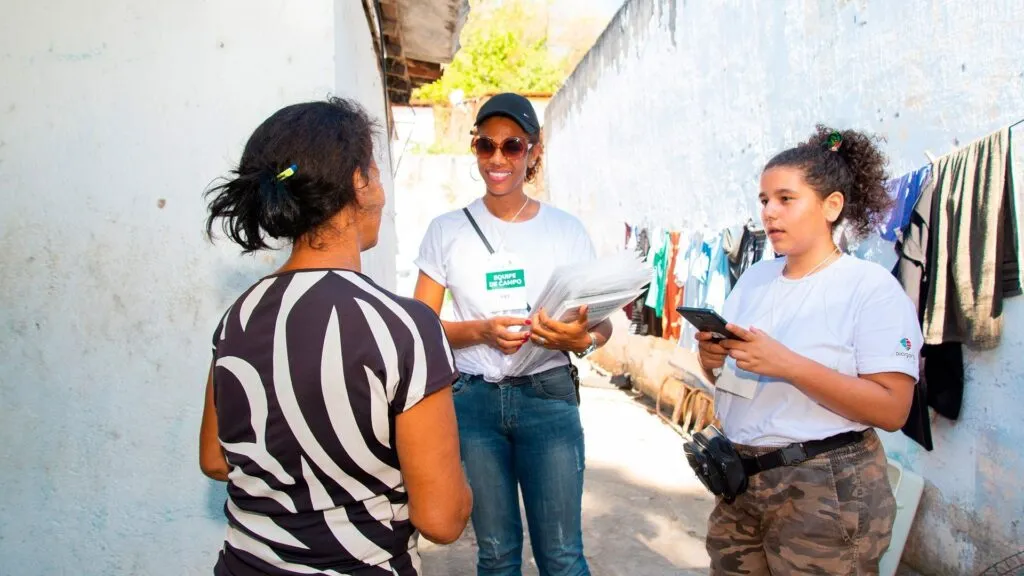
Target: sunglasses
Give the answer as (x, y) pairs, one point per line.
(512, 148)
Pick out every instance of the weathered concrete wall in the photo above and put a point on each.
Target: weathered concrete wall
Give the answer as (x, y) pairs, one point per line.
(114, 117)
(670, 118)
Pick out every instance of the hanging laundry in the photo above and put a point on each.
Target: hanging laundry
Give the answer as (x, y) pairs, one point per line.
(966, 211)
(659, 266)
(696, 283)
(918, 426)
(640, 316)
(732, 242)
(745, 250)
(632, 236)
(880, 246)
(670, 324)
(719, 275)
(904, 191)
(960, 242)
(643, 243)
(944, 375)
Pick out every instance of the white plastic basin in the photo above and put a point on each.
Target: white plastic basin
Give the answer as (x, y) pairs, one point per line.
(907, 487)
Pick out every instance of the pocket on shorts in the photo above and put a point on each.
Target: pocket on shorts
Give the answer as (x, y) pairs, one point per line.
(865, 502)
(814, 513)
(844, 484)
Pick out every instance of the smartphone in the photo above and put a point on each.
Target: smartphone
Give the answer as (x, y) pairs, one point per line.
(707, 320)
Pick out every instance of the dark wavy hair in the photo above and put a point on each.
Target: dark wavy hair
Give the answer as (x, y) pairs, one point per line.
(531, 171)
(326, 142)
(857, 170)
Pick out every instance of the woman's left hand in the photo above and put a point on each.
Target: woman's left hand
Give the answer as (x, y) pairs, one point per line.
(554, 335)
(757, 352)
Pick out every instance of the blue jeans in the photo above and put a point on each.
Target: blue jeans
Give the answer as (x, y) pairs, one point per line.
(524, 432)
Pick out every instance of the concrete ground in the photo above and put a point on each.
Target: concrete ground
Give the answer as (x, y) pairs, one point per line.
(644, 512)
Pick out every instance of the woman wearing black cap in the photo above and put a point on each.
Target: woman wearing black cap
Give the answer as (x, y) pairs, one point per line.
(518, 431)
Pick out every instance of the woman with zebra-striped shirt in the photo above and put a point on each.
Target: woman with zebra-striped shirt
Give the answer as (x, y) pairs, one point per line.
(328, 408)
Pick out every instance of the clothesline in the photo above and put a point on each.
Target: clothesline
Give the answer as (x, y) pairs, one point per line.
(1021, 121)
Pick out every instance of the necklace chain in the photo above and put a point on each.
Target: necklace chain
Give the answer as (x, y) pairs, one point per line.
(775, 288)
(508, 224)
(820, 264)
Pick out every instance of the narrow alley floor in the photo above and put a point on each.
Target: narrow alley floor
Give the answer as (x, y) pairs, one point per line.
(644, 512)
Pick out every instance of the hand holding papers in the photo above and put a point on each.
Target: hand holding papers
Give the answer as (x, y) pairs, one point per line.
(604, 285)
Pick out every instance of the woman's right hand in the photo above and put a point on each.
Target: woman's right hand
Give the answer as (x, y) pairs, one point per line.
(497, 334)
(712, 355)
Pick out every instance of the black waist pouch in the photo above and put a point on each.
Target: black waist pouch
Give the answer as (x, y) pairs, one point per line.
(716, 462)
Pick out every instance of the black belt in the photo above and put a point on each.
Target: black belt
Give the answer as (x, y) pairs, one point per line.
(794, 454)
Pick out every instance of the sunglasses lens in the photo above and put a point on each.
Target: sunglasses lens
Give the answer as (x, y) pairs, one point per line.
(484, 147)
(513, 148)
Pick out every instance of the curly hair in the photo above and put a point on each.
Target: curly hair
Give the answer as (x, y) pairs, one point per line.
(326, 141)
(531, 171)
(857, 170)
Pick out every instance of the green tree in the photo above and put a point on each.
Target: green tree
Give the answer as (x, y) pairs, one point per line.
(504, 48)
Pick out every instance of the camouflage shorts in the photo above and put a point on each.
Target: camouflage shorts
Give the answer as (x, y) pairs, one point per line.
(831, 515)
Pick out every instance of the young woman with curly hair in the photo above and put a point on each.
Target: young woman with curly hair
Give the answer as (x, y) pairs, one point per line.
(826, 349)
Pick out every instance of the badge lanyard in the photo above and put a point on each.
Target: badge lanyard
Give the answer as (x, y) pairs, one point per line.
(506, 285)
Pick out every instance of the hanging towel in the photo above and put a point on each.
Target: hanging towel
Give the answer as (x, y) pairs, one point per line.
(671, 318)
(973, 244)
(719, 272)
(659, 269)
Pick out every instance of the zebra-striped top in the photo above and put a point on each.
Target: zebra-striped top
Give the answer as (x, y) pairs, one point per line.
(311, 369)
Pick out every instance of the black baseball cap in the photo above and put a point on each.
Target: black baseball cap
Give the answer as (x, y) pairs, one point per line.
(512, 106)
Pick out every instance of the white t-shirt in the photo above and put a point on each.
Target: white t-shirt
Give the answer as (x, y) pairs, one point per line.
(853, 316)
(453, 255)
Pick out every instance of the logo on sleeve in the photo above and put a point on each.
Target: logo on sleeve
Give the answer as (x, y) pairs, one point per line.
(906, 345)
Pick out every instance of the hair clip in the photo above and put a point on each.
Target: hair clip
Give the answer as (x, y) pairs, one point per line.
(288, 172)
(835, 140)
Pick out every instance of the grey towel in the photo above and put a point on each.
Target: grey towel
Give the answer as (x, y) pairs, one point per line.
(973, 244)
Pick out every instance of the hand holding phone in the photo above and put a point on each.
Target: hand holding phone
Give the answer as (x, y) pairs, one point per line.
(707, 320)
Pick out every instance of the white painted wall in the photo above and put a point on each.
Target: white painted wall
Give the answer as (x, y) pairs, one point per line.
(357, 75)
(114, 117)
(671, 117)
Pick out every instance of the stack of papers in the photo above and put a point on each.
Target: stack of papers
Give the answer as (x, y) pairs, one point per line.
(604, 285)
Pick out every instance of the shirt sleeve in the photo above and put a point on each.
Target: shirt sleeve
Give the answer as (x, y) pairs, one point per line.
(219, 332)
(431, 257)
(887, 335)
(427, 364)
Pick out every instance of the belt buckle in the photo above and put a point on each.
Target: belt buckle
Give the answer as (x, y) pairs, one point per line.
(793, 454)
